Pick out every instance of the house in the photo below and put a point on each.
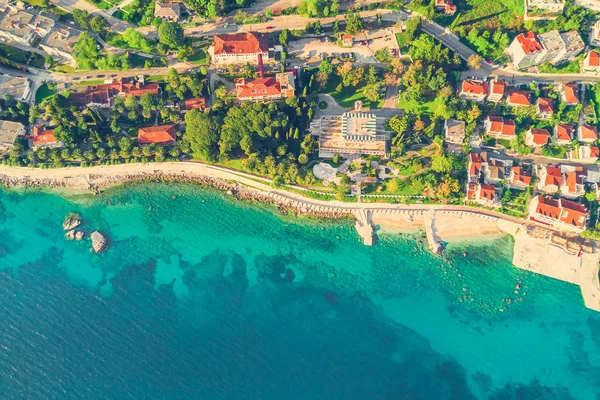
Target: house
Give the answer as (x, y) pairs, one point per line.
(8, 133)
(574, 45)
(473, 90)
(477, 163)
(543, 9)
(23, 27)
(352, 133)
(168, 11)
(570, 93)
(594, 38)
(454, 131)
(587, 133)
(42, 137)
(445, 6)
(563, 133)
(239, 47)
(525, 50)
(496, 170)
(198, 103)
(589, 152)
(550, 178)
(500, 128)
(519, 178)
(536, 137)
(544, 108)
(161, 134)
(102, 96)
(573, 183)
(591, 62)
(347, 40)
(59, 43)
(561, 214)
(519, 98)
(281, 86)
(17, 88)
(483, 194)
(496, 91)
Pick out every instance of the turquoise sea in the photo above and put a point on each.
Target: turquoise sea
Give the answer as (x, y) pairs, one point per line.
(203, 297)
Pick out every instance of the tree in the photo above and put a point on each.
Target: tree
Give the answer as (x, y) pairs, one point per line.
(239, 17)
(202, 134)
(171, 34)
(354, 23)
(98, 24)
(284, 37)
(82, 17)
(441, 164)
(372, 92)
(85, 51)
(412, 28)
(326, 67)
(474, 61)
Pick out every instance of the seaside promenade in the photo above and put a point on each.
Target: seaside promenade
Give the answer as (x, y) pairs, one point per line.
(535, 250)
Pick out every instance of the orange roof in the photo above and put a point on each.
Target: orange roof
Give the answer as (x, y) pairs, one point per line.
(261, 87)
(539, 136)
(195, 103)
(529, 43)
(564, 132)
(573, 213)
(241, 43)
(570, 90)
(474, 87)
(520, 97)
(498, 86)
(471, 191)
(594, 151)
(44, 137)
(475, 163)
(487, 192)
(588, 132)
(162, 134)
(519, 175)
(545, 105)
(593, 59)
(553, 176)
(500, 126)
(572, 180)
(548, 207)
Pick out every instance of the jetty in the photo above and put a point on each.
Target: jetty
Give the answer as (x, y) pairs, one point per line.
(364, 227)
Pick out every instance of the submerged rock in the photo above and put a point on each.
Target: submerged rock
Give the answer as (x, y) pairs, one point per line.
(79, 235)
(72, 221)
(70, 234)
(99, 242)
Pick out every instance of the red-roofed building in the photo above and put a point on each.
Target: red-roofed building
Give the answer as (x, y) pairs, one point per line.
(519, 98)
(573, 184)
(496, 91)
(102, 96)
(263, 89)
(499, 127)
(519, 178)
(536, 137)
(483, 194)
(587, 133)
(563, 133)
(591, 62)
(570, 93)
(589, 152)
(473, 90)
(239, 47)
(161, 134)
(42, 137)
(525, 50)
(477, 162)
(560, 214)
(544, 107)
(445, 6)
(198, 103)
(551, 178)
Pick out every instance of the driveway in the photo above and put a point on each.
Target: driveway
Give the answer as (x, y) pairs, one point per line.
(333, 108)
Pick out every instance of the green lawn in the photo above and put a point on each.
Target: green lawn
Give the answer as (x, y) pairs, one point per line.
(199, 57)
(348, 95)
(411, 107)
(43, 93)
(88, 83)
(573, 67)
(155, 78)
(21, 56)
(65, 69)
(402, 39)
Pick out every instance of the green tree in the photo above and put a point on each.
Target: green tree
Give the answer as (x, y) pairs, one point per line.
(171, 34)
(85, 51)
(202, 134)
(354, 23)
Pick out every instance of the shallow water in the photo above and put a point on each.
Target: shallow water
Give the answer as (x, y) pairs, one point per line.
(203, 297)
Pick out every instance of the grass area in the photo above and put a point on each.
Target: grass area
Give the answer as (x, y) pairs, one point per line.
(400, 187)
(89, 83)
(19, 56)
(43, 93)
(573, 67)
(515, 203)
(402, 39)
(65, 69)
(101, 4)
(155, 78)
(137, 61)
(412, 107)
(198, 57)
(348, 95)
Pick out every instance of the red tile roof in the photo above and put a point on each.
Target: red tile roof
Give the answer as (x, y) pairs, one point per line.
(241, 43)
(475, 163)
(539, 136)
(162, 134)
(588, 132)
(447, 4)
(548, 207)
(564, 132)
(487, 192)
(520, 97)
(44, 137)
(500, 126)
(195, 103)
(572, 179)
(545, 105)
(593, 59)
(573, 213)
(261, 87)
(553, 176)
(497, 87)
(570, 91)
(529, 43)
(594, 151)
(474, 87)
(102, 94)
(520, 176)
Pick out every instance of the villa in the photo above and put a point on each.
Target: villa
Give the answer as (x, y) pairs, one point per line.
(17, 88)
(589, 152)
(477, 163)
(168, 11)
(587, 133)
(500, 128)
(570, 93)
(59, 43)
(161, 134)
(519, 98)
(497, 88)
(550, 179)
(473, 90)
(42, 137)
(519, 178)
(278, 87)
(563, 133)
(536, 137)
(483, 194)
(454, 131)
(8, 133)
(445, 6)
(544, 108)
(560, 214)
(573, 184)
(497, 170)
(239, 47)
(102, 96)
(591, 62)
(595, 34)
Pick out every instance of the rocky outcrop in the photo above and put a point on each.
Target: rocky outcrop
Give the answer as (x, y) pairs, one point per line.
(99, 242)
(72, 221)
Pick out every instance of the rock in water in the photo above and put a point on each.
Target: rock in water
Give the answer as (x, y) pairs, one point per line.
(70, 235)
(99, 242)
(79, 235)
(72, 221)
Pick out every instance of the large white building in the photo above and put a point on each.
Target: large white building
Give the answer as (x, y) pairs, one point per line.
(239, 48)
(529, 50)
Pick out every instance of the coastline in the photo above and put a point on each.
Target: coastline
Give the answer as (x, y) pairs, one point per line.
(537, 249)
